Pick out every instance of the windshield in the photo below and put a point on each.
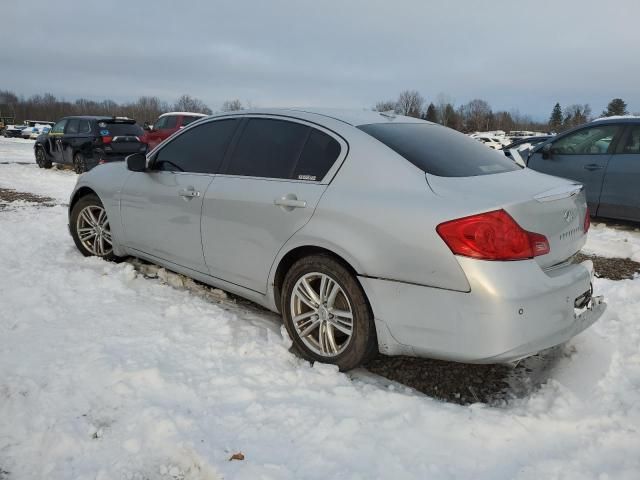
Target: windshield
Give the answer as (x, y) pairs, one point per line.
(440, 150)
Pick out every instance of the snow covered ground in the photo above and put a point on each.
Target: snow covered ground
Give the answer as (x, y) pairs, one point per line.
(105, 374)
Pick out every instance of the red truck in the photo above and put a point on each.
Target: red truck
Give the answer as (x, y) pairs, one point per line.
(168, 124)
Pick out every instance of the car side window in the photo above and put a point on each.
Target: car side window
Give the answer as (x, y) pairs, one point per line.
(160, 123)
(58, 128)
(72, 126)
(318, 156)
(632, 142)
(268, 148)
(84, 126)
(187, 120)
(171, 121)
(594, 140)
(200, 149)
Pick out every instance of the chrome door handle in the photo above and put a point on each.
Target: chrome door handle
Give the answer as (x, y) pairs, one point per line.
(593, 166)
(189, 193)
(290, 202)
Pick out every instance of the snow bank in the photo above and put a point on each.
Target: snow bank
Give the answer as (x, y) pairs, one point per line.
(610, 242)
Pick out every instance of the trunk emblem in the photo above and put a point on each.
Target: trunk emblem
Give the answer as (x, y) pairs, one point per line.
(569, 216)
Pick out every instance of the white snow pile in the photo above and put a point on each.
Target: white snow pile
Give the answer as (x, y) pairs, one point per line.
(612, 242)
(105, 374)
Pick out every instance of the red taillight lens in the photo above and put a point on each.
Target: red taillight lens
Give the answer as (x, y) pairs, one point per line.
(492, 236)
(587, 221)
(107, 139)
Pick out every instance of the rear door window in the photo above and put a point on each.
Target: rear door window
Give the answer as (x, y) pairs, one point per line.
(187, 120)
(116, 129)
(170, 122)
(440, 150)
(200, 149)
(631, 143)
(587, 141)
(72, 126)
(318, 156)
(268, 148)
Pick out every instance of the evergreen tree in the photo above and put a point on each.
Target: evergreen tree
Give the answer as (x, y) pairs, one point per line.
(617, 106)
(432, 114)
(555, 121)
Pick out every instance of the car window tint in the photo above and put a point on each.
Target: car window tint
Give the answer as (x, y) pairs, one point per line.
(200, 149)
(170, 122)
(268, 148)
(187, 120)
(318, 156)
(124, 129)
(440, 150)
(632, 142)
(588, 141)
(59, 127)
(72, 126)
(84, 126)
(162, 121)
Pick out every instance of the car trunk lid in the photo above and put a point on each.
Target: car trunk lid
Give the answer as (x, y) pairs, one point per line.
(539, 203)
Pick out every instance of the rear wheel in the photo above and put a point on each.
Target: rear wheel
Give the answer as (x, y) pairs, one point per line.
(41, 158)
(327, 314)
(91, 230)
(79, 163)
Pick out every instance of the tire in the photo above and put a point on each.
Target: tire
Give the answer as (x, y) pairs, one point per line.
(325, 333)
(91, 241)
(79, 163)
(41, 158)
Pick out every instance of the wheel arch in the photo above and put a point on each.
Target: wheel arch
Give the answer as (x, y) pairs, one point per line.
(296, 253)
(81, 192)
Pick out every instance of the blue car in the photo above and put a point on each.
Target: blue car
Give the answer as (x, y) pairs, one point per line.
(604, 155)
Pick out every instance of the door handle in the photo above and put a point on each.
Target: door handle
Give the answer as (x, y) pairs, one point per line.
(290, 202)
(189, 193)
(593, 166)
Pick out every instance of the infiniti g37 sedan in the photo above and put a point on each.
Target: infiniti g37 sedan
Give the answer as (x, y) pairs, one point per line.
(366, 231)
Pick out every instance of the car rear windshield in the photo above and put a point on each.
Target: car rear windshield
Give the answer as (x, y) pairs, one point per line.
(121, 129)
(440, 150)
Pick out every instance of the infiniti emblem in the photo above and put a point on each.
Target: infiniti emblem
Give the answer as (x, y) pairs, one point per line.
(569, 215)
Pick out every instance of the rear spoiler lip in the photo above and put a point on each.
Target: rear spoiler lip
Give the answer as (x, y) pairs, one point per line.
(558, 193)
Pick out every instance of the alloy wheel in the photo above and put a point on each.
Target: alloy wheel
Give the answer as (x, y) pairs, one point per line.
(321, 314)
(94, 232)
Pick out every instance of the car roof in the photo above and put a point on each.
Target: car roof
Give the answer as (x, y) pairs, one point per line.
(353, 117)
(92, 117)
(191, 114)
(618, 119)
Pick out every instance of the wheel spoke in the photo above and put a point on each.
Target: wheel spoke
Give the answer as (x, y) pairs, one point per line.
(93, 218)
(343, 327)
(87, 236)
(303, 316)
(87, 219)
(304, 297)
(310, 291)
(342, 314)
(312, 326)
(331, 299)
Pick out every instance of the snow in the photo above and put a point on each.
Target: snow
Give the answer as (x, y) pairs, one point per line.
(106, 374)
(608, 242)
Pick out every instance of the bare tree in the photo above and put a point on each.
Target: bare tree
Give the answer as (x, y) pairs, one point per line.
(444, 108)
(477, 115)
(187, 103)
(410, 103)
(385, 106)
(231, 106)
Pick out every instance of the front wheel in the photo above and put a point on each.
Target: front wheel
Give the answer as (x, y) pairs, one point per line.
(326, 313)
(90, 228)
(41, 158)
(79, 163)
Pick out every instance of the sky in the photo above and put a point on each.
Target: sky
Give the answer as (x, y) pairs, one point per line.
(521, 56)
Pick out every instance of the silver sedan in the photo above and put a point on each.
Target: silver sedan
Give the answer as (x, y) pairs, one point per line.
(367, 231)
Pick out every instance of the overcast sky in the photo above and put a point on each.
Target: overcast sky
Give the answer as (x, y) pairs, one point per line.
(516, 55)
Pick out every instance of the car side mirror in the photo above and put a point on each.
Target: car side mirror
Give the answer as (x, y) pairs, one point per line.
(137, 162)
(147, 127)
(546, 151)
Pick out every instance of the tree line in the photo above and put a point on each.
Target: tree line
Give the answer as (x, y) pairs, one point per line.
(145, 109)
(477, 114)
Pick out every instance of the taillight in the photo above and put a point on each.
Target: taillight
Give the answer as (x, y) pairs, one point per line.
(587, 221)
(492, 236)
(107, 139)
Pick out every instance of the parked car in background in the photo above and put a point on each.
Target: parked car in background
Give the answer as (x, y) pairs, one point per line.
(359, 229)
(168, 124)
(34, 126)
(491, 142)
(86, 141)
(523, 147)
(13, 131)
(604, 155)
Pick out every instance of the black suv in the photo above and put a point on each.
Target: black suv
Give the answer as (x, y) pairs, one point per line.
(87, 141)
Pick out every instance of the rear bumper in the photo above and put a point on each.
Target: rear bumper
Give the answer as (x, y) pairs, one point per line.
(514, 309)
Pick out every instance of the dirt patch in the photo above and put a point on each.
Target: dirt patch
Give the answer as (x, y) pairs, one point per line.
(612, 268)
(9, 195)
